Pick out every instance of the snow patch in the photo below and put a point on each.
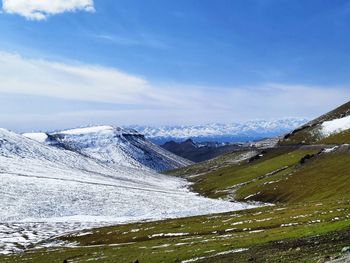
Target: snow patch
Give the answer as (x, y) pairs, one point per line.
(329, 150)
(335, 126)
(239, 250)
(168, 235)
(38, 136)
(88, 130)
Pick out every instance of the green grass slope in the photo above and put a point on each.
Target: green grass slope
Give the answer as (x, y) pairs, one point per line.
(264, 166)
(280, 175)
(338, 138)
(326, 176)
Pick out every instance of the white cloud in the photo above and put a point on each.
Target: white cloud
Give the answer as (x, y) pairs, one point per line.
(148, 102)
(67, 81)
(40, 9)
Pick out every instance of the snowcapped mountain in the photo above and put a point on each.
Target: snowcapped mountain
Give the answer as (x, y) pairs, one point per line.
(41, 184)
(112, 145)
(234, 132)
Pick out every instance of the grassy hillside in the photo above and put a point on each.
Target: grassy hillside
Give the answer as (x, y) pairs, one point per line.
(279, 175)
(326, 176)
(262, 167)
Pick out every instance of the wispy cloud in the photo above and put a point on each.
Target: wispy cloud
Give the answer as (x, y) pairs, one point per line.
(140, 40)
(41, 9)
(148, 102)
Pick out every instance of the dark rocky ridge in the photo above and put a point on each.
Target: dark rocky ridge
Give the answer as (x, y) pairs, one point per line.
(199, 152)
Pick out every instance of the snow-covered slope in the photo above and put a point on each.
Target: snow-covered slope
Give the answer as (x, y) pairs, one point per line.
(250, 130)
(41, 183)
(114, 146)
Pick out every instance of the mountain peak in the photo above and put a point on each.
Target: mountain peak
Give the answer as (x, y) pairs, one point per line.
(112, 145)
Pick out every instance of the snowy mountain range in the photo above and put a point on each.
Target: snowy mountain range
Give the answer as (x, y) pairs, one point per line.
(233, 132)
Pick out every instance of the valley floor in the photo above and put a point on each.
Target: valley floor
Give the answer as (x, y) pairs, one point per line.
(309, 221)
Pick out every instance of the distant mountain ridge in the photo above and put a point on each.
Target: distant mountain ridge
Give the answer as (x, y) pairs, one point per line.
(233, 132)
(199, 152)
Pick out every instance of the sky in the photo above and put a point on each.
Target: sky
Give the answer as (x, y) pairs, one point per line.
(69, 63)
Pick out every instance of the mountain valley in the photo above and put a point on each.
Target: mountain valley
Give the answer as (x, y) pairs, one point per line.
(296, 191)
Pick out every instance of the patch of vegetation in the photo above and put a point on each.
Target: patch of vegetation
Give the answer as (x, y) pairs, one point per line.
(338, 138)
(318, 248)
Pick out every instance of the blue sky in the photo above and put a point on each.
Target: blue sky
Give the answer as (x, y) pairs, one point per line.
(70, 63)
